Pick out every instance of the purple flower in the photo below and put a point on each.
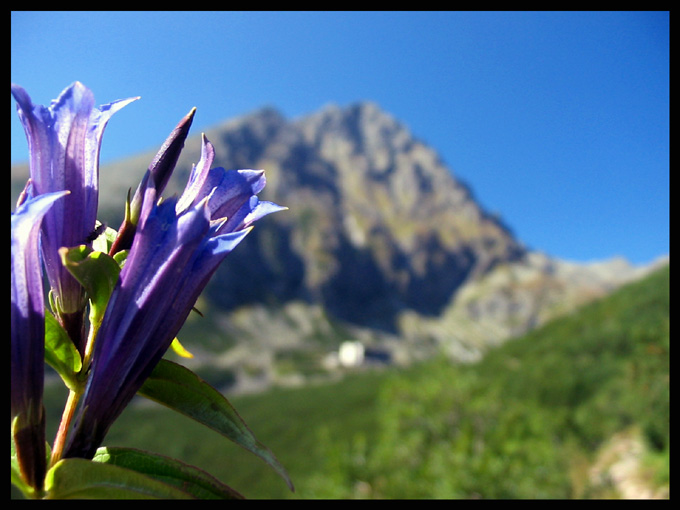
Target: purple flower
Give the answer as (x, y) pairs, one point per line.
(177, 247)
(63, 142)
(231, 194)
(159, 172)
(27, 337)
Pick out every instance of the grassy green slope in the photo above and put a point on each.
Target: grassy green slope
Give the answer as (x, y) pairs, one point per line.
(521, 423)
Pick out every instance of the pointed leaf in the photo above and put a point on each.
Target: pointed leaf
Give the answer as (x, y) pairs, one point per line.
(180, 389)
(120, 257)
(60, 352)
(97, 272)
(190, 479)
(84, 479)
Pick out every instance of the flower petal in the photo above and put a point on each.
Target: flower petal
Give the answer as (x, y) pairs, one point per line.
(177, 247)
(27, 337)
(64, 141)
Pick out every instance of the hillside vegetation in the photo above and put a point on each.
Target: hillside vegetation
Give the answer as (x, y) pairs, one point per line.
(576, 409)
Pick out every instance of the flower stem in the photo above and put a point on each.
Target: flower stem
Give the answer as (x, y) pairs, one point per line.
(66, 417)
(72, 402)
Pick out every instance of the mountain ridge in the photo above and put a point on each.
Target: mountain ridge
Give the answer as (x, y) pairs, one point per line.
(380, 236)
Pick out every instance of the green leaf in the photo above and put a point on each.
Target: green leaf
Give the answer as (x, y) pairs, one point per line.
(60, 352)
(84, 479)
(190, 479)
(120, 257)
(178, 388)
(97, 273)
(104, 241)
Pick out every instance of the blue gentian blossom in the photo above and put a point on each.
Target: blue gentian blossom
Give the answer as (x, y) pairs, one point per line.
(27, 336)
(177, 246)
(231, 195)
(64, 141)
(159, 172)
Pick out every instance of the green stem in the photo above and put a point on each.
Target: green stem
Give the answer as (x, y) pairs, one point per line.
(66, 417)
(72, 402)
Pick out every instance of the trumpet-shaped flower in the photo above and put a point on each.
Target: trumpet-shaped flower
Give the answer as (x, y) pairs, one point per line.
(64, 140)
(231, 194)
(27, 337)
(178, 245)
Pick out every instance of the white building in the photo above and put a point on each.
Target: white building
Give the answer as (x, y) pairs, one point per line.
(351, 354)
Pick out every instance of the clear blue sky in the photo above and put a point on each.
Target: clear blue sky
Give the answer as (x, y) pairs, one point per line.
(559, 122)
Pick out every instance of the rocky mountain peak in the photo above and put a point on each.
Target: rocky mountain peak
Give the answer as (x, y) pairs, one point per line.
(376, 222)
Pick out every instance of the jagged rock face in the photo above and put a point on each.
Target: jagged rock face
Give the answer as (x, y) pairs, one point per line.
(376, 222)
(376, 225)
